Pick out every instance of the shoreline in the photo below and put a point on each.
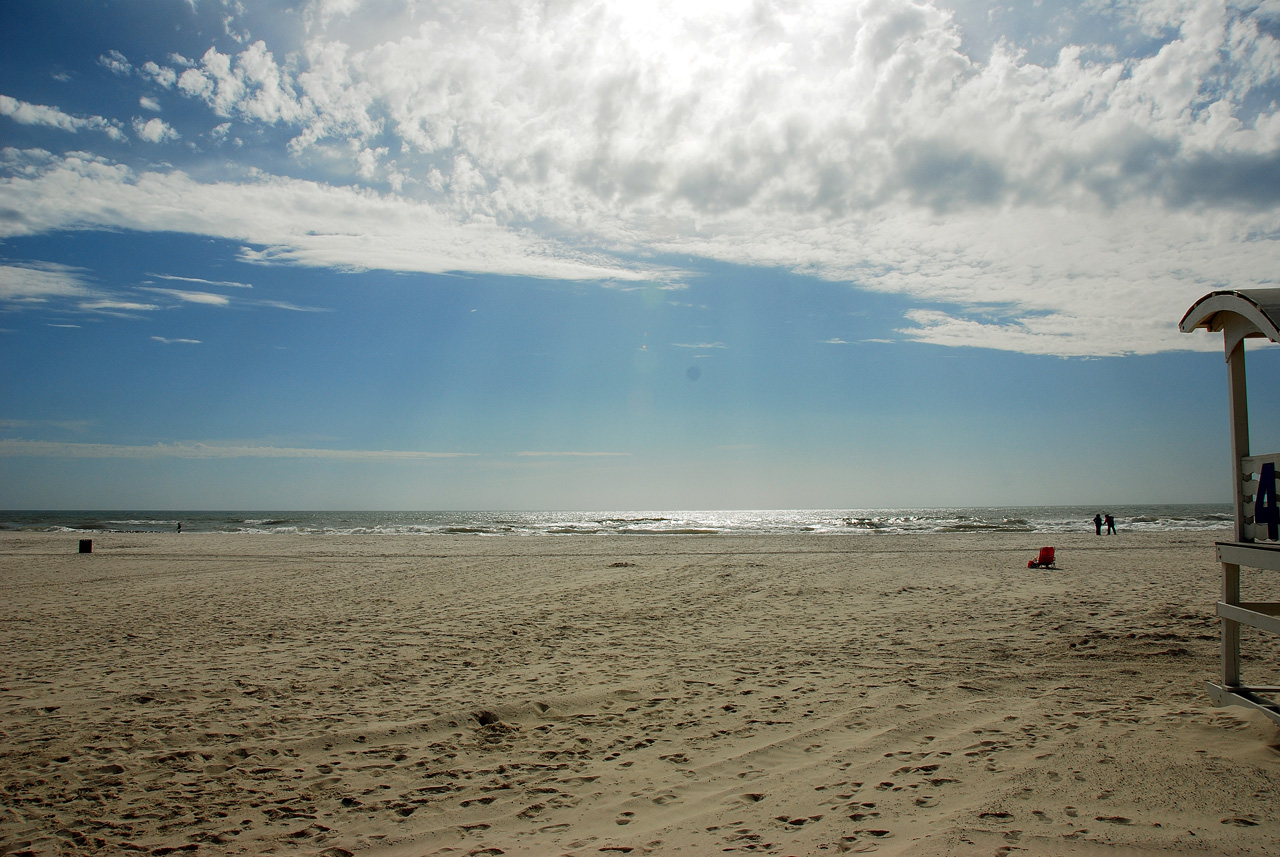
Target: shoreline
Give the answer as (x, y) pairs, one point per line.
(656, 694)
(1155, 518)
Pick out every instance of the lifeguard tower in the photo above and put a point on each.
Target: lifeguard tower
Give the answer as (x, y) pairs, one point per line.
(1242, 315)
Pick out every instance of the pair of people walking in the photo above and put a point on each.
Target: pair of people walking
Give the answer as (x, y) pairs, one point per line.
(1099, 520)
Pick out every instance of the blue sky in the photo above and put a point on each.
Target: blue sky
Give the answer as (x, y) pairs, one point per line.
(391, 254)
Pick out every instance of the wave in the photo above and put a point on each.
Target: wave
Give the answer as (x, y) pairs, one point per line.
(851, 522)
(667, 531)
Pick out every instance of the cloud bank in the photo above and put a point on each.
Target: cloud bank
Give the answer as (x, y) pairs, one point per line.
(1030, 190)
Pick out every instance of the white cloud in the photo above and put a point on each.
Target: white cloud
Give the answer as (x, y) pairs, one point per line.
(116, 307)
(1074, 204)
(44, 284)
(368, 161)
(321, 12)
(284, 305)
(300, 222)
(115, 62)
(148, 103)
(194, 83)
(162, 75)
(206, 298)
(40, 281)
(230, 283)
(249, 85)
(25, 113)
(154, 130)
(165, 341)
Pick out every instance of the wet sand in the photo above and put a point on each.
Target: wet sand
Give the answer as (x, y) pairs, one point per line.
(402, 695)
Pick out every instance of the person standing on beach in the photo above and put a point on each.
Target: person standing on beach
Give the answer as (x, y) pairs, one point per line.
(1111, 525)
(1097, 523)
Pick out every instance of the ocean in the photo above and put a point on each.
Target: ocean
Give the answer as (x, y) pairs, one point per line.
(869, 522)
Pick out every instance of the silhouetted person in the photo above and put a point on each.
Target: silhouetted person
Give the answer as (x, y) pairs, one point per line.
(1097, 524)
(1111, 526)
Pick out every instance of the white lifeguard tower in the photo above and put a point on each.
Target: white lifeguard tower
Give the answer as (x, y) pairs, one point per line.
(1241, 315)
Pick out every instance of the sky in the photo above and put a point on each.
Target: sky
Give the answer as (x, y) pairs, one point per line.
(600, 254)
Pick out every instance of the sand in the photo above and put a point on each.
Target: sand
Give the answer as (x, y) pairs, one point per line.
(389, 695)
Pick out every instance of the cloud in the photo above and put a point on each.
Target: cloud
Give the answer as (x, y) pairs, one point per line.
(249, 85)
(41, 281)
(297, 222)
(146, 102)
(284, 305)
(154, 130)
(116, 307)
(228, 283)
(206, 298)
(45, 284)
(164, 76)
(25, 113)
(115, 62)
(1067, 188)
(163, 341)
(14, 448)
(698, 345)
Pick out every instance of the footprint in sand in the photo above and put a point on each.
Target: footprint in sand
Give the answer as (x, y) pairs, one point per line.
(876, 833)
(624, 818)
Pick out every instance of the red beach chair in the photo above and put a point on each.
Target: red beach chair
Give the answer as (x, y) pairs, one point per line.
(1045, 560)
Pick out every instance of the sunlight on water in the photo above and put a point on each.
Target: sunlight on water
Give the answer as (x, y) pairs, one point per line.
(869, 522)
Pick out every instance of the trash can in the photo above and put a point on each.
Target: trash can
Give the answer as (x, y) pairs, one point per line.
(86, 546)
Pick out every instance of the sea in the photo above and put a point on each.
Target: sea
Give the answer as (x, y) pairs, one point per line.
(869, 522)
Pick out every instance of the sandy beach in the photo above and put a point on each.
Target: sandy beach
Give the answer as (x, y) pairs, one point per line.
(388, 695)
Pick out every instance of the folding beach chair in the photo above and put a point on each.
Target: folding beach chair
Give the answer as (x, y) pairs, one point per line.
(1045, 560)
